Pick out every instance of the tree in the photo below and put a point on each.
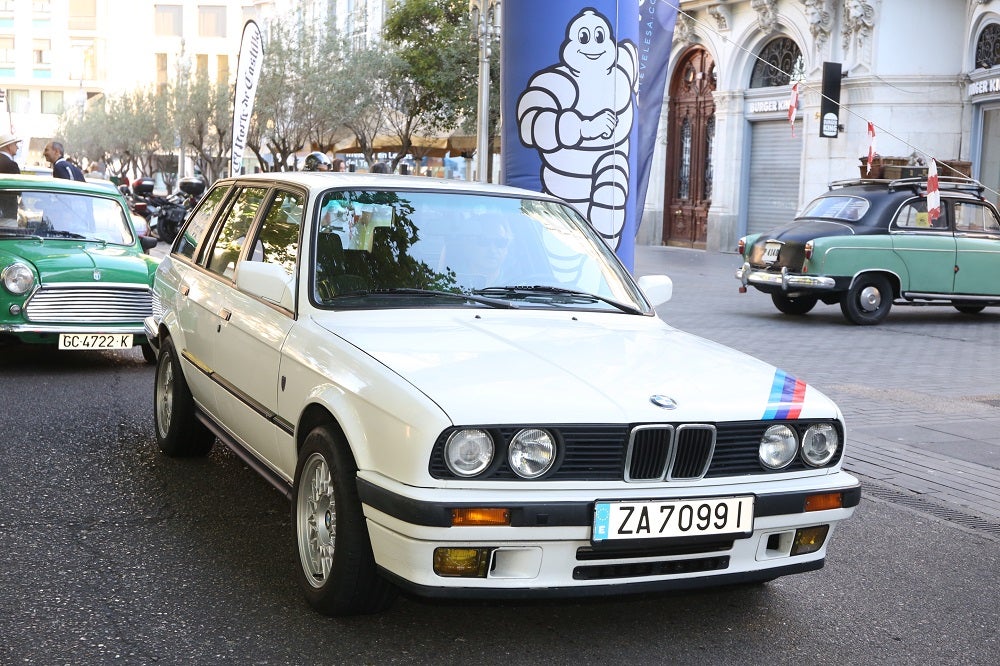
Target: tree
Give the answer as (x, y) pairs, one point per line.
(203, 115)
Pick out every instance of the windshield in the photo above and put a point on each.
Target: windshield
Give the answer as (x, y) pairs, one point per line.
(62, 215)
(842, 208)
(397, 248)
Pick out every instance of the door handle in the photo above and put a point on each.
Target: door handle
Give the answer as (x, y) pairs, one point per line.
(225, 314)
(185, 290)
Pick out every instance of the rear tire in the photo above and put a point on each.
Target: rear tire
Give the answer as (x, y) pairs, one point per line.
(337, 569)
(970, 309)
(178, 432)
(868, 301)
(793, 305)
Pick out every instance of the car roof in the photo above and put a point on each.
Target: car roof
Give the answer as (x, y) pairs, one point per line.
(30, 182)
(316, 180)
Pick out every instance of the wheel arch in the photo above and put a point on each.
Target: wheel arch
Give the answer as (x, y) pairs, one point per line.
(894, 280)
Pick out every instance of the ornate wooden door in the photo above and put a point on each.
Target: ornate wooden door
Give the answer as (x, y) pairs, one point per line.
(691, 131)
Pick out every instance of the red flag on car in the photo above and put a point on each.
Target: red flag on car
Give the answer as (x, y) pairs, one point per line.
(933, 192)
(871, 147)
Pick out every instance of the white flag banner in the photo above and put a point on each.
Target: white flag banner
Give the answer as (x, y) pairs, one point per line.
(247, 75)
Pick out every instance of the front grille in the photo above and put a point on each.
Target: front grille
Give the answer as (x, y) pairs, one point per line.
(89, 305)
(642, 452)
(639, 569)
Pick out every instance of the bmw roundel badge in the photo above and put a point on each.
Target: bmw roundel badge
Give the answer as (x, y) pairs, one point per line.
(663, 401)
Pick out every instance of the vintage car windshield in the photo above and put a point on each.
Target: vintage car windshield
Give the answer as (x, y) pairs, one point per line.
(378, 248)
(842, 208)
(66, 215)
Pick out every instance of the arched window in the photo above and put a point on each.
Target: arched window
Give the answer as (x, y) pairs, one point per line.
(988, 47)
(775, 63)
(684, 177)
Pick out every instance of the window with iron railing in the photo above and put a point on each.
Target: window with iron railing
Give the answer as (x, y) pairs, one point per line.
(775, 63)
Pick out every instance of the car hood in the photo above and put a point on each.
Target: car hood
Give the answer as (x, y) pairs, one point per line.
(803, 230)
(503, 366)
(73, 261)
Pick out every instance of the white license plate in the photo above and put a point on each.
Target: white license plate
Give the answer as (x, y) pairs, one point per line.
(771, 252)
(95, 341)
(659, 519)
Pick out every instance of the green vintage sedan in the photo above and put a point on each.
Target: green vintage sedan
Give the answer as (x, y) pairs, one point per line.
(869, 244)
(72, 267)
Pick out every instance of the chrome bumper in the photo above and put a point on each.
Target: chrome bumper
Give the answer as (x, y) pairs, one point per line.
(76, 328)
(787, 281)
(151, 327)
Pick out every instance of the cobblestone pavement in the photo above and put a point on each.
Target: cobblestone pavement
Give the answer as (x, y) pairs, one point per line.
(920, 392)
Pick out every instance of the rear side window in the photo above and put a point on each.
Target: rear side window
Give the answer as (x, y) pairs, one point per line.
(194, 232)
(233, 234)
(973, 217)
(278, 240)
(913, 215)
(845, 209)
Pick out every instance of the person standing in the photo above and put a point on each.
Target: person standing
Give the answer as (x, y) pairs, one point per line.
(8, 148)
(61, 167)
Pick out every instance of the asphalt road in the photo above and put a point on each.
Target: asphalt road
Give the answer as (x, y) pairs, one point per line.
(113, 554)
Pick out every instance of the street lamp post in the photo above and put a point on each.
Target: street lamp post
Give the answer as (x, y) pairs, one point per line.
(486, 26)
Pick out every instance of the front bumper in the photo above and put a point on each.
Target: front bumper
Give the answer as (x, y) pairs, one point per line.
(547, 550)
(747, 275)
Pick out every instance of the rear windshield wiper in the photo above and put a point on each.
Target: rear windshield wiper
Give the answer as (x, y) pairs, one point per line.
(428, 293)
(515, 291)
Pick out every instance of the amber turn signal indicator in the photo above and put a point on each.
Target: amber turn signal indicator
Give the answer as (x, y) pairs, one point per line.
(825, 501)
(480, 516)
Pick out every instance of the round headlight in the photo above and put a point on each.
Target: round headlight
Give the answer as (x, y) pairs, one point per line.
(17, 279)
(468, 452)
(531, 453)
(819, 444)
(778, 447)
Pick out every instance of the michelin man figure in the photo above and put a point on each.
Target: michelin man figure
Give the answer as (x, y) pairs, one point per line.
(578, 115)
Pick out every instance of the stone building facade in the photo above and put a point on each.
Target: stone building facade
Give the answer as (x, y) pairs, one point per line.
(925, 73)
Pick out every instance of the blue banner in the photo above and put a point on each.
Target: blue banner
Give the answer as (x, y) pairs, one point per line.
(582, 86)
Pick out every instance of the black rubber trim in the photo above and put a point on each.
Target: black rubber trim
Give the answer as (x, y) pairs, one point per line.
(559, 514)
(251, 461)
(603, 589)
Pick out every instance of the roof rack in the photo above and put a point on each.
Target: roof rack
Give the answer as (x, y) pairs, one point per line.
(917, 184)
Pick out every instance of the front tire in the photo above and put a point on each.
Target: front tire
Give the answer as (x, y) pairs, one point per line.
(337, 569)
(793, 305)
(178, 433)
(970, 309)
(148, 353)
(868, 301)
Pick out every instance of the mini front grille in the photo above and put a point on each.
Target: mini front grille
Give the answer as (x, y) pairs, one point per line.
(89, 305)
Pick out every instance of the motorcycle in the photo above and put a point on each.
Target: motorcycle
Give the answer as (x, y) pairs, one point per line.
(165, 215)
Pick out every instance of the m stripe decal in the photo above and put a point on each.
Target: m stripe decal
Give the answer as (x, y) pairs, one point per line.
(787, 396)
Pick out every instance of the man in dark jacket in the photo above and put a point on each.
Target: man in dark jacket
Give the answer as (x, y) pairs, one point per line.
(61, 167)
(8, 148)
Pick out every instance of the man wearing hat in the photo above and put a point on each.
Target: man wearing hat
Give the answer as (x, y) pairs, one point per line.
(8, 148)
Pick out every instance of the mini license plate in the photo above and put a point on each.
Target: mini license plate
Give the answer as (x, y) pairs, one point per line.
(660, 519)
(771, 252)
(95, 341)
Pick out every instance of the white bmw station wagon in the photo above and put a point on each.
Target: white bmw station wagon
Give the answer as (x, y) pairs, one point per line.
(464, 394)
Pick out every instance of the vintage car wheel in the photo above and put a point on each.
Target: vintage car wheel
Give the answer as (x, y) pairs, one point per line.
(337, 572)
(178, 432)
(793, 305)
(868, 301)
(970, 309)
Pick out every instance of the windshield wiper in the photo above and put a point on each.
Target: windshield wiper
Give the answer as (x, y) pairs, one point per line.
(427, 293)
(515, 291)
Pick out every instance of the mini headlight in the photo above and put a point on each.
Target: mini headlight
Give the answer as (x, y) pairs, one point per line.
(531, 453)
(778, 447)
(819, 444)
(17, 279)
(468, 452)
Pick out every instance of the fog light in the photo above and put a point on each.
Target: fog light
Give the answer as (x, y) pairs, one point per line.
(825, 502)
(461, 562)
(15, 309)
(809, 539)
(480, 516)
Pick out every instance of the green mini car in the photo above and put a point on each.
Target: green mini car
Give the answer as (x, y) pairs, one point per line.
(869, 244)
(73, 270)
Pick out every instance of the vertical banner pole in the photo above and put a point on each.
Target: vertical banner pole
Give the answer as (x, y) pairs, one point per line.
(247, 75)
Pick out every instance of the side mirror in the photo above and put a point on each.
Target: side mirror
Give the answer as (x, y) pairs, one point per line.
(147, 243)
(268, 281)
(658, 289)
